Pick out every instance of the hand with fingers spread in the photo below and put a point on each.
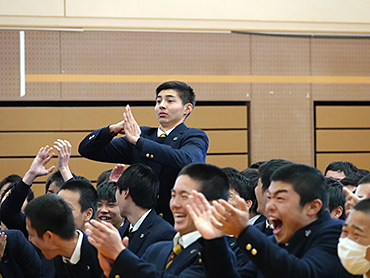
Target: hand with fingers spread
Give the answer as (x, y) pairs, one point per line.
(37, 167)
(131, 128)
(117, 172)
(200, 211)
(106, 238)
(64, 153)
(229, 219)
(351, 200)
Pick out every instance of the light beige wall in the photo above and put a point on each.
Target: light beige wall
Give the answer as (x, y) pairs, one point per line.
(269, 15)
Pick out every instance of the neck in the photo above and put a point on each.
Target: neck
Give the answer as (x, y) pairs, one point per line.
(69, 246)
(135, 215)
(165, 128)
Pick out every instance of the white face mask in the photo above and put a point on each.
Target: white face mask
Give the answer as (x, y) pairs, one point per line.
(352, 255)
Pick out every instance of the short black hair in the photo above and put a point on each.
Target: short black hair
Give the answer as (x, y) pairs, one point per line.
(307, 181)
(341, 166)
(104, 176)
(107, 191)
(54, 177)
(213, 181)
(142, 183)
(336, 196)
(365, 179)
(50, 212)
(88, 195)
(363, 206)
(243, 186)
(185, 92)
(252, 175)
(10, 179)
(266, 169)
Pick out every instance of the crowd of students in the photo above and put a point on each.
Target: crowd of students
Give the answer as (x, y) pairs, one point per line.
(169, 214)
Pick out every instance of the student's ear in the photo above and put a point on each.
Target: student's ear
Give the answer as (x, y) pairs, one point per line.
(48, 236)
(88, 214)
(337, 212)
(188, 108)
(312, 208)
(249, 204)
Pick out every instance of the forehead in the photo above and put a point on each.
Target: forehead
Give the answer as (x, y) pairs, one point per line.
(168, 93)
(359, 219)
(70, 196)
(184, 183)
(277, 187)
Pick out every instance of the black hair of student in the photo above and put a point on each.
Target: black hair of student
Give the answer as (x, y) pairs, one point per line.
(307, 182)
(336, 196)
(266, 169)
(185, 92)
(243, 186)
(30, 195)
(363, 206)
(88, 196)
(107, 191)
(50, 212)
(54, 177)
(341, 166)
(103, 177)
(252, 175)
(142, 183)
(365, 179)
(229, 169)
(10, 179)
(214, 183)
(256, 165)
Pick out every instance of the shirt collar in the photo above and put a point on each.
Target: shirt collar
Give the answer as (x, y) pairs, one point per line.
(254, 219)
(76, 255)
(138, 223)
(187, 239)
(160, 131)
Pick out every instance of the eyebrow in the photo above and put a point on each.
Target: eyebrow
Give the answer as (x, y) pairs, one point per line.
(165, 96)
(354, 227)
(180, 192)
(278, 191)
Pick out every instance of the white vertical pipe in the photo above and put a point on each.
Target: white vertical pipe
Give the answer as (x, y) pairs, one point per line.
(22, 64)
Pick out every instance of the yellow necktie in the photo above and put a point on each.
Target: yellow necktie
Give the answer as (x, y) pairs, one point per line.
(175, 251)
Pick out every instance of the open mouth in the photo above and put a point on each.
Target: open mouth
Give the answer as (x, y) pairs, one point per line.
(179, 216)
(277, 224)
(105, 218)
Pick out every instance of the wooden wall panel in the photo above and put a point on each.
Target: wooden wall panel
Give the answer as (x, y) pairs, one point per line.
(239, 162)
(343, 140)
(342, 116)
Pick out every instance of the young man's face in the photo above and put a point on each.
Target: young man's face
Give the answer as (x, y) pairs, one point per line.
(53, 188)
(337, 175)
(357, 228)
(284, 211)
(109, 212)
(362, 189)
(72, 198)
(40, 243)
(169, 109)
(179, 199)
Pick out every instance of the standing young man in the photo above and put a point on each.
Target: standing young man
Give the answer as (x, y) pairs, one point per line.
(166, 149)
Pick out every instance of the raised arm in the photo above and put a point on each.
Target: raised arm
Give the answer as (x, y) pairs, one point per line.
(64, 153)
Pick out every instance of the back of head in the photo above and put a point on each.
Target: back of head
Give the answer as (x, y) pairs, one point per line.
(213, 181)
(266, 169)
(307, 182)
(256, 165)
(185, 92)
(107, 191)
(54, 177)
(10, 179)
(363, 206)
(88, 196)
(341, 166)
(52, 213)
(336, 196)
(142, 183)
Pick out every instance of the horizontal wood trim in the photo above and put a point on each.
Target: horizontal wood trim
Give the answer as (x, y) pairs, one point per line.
(342, 116)
(91, 118)
(360, 160)
(342, 140)
(239, 162)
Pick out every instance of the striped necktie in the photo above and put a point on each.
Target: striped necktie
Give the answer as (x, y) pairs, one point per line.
(175, 251)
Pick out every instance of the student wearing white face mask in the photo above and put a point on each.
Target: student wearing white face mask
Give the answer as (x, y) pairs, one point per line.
(354, 243)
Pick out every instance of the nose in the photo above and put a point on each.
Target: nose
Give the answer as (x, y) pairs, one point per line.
(104, 209)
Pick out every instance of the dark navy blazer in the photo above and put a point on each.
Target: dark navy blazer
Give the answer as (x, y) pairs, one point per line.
(181, 147)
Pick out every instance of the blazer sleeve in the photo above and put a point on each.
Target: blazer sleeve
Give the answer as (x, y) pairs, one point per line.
(10, 212)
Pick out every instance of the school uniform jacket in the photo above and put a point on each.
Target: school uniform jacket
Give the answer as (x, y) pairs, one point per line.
(310, 253)
(151, 230)
(181, 147)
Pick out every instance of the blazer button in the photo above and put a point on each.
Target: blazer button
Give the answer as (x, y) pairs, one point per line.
(248, 247)
(254, 252)
(147, 155)
(117, 276)
(151, 156)
(161, 214)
